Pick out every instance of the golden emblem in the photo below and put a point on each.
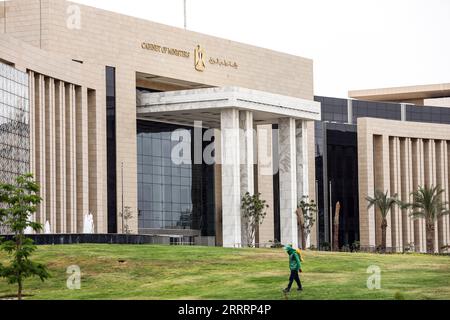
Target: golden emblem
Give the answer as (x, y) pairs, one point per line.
(199, 59)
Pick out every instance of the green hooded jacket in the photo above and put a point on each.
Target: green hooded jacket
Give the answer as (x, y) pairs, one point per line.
(294, 259)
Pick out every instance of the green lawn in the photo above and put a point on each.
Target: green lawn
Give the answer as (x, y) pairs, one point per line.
(169, 272)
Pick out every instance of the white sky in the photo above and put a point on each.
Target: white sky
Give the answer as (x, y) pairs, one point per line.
(355, 44)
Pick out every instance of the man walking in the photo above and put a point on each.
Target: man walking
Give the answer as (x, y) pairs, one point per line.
(295, 266)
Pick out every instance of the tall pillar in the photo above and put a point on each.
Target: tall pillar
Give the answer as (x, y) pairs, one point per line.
(71, 174)
(82, 157)
(382, 183)
(440, 181)
(50, 162)
(367, 167)
(231, 188)
(421, 182)
(288, 181)
(408, 221)
(434, 183)
(301, 145)
(32, 108)
(265, 182)
(395, 182)
(446, 187)
(246, 148)
(60, 138)
(39, 147)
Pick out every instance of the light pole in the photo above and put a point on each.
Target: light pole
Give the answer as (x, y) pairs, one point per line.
(122, 195)
(185, 15)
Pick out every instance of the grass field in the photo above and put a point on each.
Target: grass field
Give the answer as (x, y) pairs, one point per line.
(169, 272)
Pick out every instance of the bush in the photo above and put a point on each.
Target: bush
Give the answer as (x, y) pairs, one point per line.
(326, 246)
(409, 248)
(275, 244)
(356, 246)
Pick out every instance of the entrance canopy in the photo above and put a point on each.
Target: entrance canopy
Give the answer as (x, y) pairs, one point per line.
(236, 110)
(187, 106)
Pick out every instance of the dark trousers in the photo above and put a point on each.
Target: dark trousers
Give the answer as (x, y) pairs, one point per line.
(294, 276)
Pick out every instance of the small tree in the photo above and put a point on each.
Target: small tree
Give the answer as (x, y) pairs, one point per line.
(306, 212)
(126, 215)
(254, 212)
(336, 226)
(18, 203)
(428, 204)
(384, 203)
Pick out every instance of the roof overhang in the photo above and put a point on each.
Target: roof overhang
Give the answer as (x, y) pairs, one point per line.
(399, 94)
(186, 106)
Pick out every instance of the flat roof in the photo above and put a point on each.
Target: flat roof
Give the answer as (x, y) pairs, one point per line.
(187, 106)
(396, 94)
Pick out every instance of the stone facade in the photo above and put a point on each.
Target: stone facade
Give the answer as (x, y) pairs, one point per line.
(64, 47)
(397, 157)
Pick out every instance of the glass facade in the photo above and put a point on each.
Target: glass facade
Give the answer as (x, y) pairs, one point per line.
(173, 193)
(391, 111)
(111, 148)
(342, 173)
(14, 123)
(334, 111)
(428, 114)
(276, 184)
(337, 157)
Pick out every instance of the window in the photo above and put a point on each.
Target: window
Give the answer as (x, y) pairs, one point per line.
(14, 123)
(172, 195)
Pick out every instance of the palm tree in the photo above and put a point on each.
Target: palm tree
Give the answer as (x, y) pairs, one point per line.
(384, 203)
(428, 204)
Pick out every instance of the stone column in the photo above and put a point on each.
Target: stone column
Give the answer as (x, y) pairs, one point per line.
(71, 163)
(246, 147)
(421, 182)
(288, 181)
(395, 187)
(40, 129)
(446, 187)
(82, 150)
(407, 177)
(231, 188)
(440, 181)
(265, 182)
(301, 145)
(366, 171)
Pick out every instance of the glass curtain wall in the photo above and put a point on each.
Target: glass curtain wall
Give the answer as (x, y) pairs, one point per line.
(173, 193)
(14, 125)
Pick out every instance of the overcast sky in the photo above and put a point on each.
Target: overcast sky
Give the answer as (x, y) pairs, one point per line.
(355, 44)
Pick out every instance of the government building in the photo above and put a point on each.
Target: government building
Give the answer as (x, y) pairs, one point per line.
(116, 114)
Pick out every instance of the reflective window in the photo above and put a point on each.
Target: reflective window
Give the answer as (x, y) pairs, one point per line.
(372, 109)
(428, 114)
(111, 147)
(173, 193)
(14, 123)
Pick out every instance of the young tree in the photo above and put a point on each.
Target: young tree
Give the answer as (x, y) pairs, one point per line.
(18, 203)
(253, 210)
(126, 215)
(384, 203)
(427, 204)
(306, 211)
(336, 227)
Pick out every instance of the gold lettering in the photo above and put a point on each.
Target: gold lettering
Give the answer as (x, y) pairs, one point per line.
(223, 62)
(165, 50)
